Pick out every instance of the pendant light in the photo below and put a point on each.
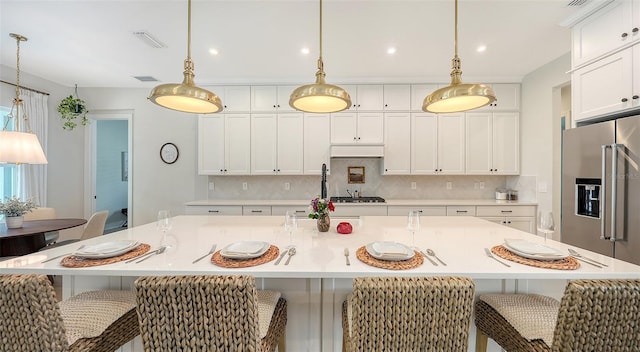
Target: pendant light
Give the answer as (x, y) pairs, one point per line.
(320, 97)
(17, 147)
(458, 96)
(186, 96)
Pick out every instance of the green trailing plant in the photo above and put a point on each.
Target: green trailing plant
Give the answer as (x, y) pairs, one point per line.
(16, 207)
(70, 109)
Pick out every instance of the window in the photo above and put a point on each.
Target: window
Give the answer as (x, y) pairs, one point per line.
(8, 172)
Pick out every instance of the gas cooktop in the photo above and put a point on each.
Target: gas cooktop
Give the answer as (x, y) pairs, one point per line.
(357, 200)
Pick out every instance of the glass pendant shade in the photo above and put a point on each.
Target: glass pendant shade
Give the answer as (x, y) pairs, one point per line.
(320, 97)
(186, 96)
(20, 148)
(458, 96)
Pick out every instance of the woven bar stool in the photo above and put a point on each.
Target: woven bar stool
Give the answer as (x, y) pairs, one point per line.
(209, 313)
(402, 314)
(593, 315)
(32, 320)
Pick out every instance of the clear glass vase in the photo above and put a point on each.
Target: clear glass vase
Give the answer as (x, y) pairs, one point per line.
(324, 222)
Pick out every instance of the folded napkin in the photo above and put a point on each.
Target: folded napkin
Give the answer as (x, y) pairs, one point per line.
(531, 248)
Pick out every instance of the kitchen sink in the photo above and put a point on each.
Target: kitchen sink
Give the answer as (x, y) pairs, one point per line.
(357, 200)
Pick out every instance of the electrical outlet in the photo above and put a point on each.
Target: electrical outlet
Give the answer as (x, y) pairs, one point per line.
(413, 185)
(212, 187)
(449, 185)
(244, 186)
(287, 186)
(481, 185)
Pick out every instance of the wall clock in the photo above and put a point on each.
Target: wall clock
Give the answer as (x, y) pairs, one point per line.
(169, 153)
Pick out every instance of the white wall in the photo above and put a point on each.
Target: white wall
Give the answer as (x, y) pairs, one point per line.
(537, 123)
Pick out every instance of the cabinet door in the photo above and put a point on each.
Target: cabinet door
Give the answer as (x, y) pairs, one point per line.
(370, 97)
(237, 99)
(397, 144)
(506, 143)
(635, 94)
(237, 137)
(601, 87)
(264, 136)
(397, 97)
(507, 97)
(602, 32)
(344, 128)
(264, 98)
(284, 93)
(290, 144)
(211, 144)
(451, 143)
(478, 143)
(370, 127)
(424, 143)
(317, 142)
(418, 93)
(522, 224)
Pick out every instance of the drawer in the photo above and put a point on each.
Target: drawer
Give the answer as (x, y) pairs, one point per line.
(461, 211)
(256, 210)
(356, 210)
(522, 210)
(213, 210)
(404, 210)
(280, 210)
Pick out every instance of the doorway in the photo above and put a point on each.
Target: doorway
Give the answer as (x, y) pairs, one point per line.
(108, 166)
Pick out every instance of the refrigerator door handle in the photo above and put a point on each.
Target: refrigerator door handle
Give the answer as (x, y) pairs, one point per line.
(603, 194)
(614, 189)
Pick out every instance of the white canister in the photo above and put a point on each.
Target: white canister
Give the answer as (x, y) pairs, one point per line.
(501, 194)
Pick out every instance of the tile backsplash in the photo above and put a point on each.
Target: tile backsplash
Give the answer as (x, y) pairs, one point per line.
(387, 186)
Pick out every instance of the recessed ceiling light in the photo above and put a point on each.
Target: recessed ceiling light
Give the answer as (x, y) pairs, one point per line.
(213, 51)
(305, 51)
(391, 51)
(481, 48)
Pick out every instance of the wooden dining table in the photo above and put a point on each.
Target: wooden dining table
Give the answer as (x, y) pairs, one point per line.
(30, 237)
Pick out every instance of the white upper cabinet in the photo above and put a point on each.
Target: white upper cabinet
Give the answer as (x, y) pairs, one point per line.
(317, 143)
(437, 144)
(397, 144)
(613, 26)
(234, 98)
(493, 143)
(397, 97)
(361, 127)
(507, 98)
(418, 93)
(366, 97)
(276, 144)
(224, 144)
(271, 98)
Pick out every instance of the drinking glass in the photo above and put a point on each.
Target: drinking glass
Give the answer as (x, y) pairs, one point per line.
(164, 224)
(290, 223)
(546, 224)
(413, 224)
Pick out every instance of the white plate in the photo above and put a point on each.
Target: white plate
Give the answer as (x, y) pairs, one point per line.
(390, 251)
(107, 249)
(245, 249)
(533, 250)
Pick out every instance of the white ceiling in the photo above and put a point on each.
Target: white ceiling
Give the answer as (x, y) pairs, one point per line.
(90, 42)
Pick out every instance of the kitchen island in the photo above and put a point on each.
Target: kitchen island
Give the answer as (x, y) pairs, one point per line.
(317, 279)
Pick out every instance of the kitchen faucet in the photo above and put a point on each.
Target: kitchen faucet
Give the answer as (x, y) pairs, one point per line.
(323, 183)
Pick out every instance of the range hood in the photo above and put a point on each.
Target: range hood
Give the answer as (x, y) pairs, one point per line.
(357, 151)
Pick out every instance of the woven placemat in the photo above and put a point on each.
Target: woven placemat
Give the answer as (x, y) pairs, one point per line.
(366, 258)
(78, 262)
(568, 263)
(219, 260)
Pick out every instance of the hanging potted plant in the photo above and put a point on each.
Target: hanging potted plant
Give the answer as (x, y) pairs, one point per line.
(14, 210)
(71, 108)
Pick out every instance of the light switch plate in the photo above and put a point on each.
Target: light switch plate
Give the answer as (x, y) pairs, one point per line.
(287, 186)
(449, 185)
(413, 185)
(212, 186)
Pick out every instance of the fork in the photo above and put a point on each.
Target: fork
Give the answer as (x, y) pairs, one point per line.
(490, 255)
(151, 254)
(346, 255)
(586, 259)
(213, 249)
(62, 255)
(425, 255)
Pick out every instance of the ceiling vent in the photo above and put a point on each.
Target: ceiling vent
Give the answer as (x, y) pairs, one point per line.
(577, 2)
(145, 78)
(148, 39)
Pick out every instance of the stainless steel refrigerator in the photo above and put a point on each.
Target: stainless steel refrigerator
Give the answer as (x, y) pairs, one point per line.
(601, 188)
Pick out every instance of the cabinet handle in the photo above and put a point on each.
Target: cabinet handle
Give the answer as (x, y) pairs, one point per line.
(225, 106)
(278, 105)
(635, 97)
(506, 211)
(508, 222)
(461, 211)
(624, 35)
(386, 105)
(225, 170)
(214, 211)
(491, 170)
(300, 211)
(504, 221)
(278, 170)
(624, 100)
(635, 30)
(354, 138)
(386, 169)
(256, 211)
(440, 170)
(496, 170)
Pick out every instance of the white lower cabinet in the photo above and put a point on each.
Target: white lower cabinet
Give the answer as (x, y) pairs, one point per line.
(256, 210)
(519, 217)
(356, 210)
(281, 210)
(426, 210)
(213, 210)
(465, 210)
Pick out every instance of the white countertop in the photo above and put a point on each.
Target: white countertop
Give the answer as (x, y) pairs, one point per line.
(391, 202)
(459, 241)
